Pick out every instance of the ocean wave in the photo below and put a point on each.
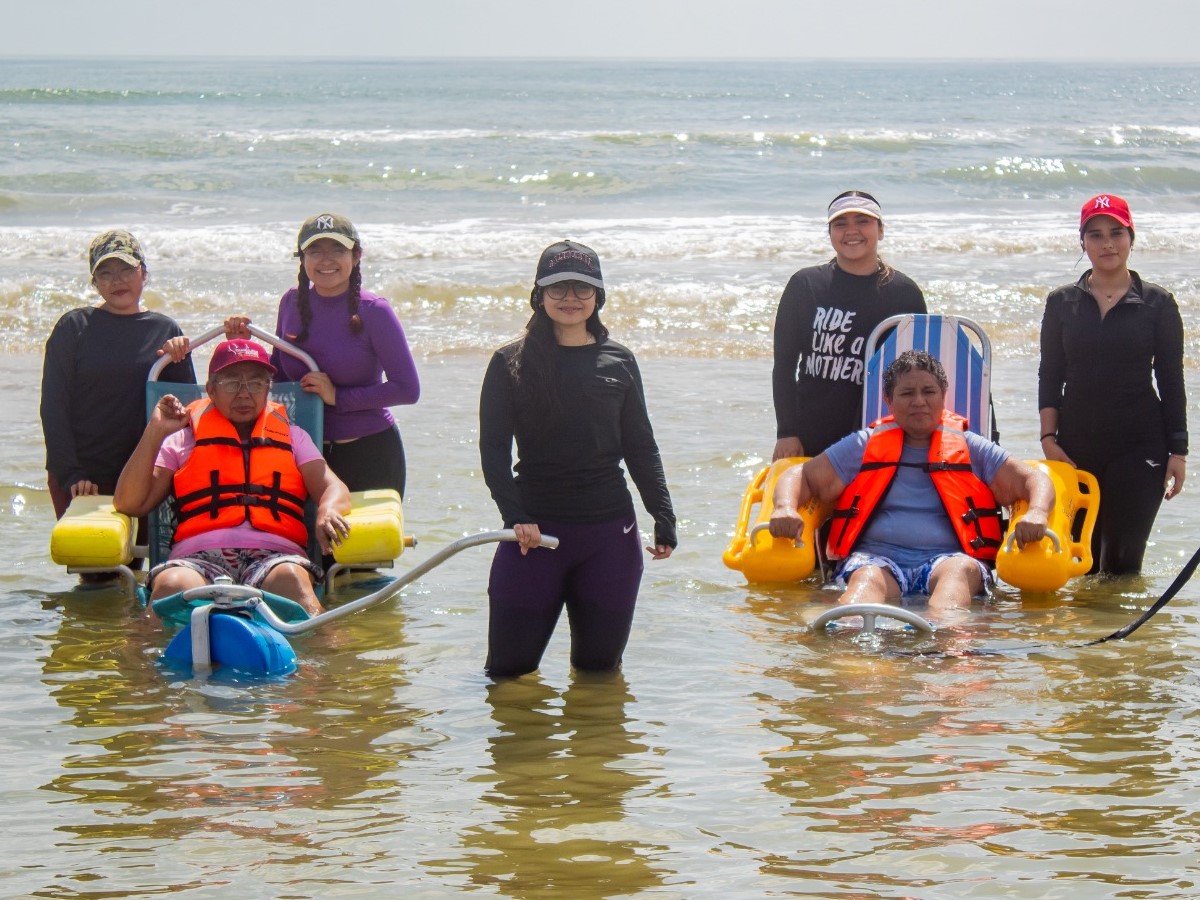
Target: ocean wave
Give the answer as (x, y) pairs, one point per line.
(189, 240)
(757, 134)
(1066, 177)
(664, 306)
(338, 136)
(100, 96)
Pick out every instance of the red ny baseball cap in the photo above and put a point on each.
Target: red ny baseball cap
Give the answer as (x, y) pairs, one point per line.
(1106, 205)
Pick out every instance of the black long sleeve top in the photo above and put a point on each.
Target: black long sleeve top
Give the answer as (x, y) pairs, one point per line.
(1100, 374)
(93, 405)
(568, 466)
(821, 328)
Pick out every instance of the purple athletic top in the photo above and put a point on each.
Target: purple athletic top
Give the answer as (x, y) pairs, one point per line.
(355, 363)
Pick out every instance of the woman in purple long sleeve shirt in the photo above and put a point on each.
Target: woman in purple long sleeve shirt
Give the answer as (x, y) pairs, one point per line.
(358, 343)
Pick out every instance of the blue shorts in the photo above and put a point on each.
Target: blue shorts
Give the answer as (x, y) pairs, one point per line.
(911, 580)
(244, 566)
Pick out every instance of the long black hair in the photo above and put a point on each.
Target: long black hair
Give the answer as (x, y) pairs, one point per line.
(533, 362)
(352, 298)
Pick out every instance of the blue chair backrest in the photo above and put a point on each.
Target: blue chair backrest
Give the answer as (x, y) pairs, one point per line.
(962, 347)
(303, 409)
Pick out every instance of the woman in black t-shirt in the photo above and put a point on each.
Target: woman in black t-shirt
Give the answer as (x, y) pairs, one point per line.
(93, 405)
(825, 316)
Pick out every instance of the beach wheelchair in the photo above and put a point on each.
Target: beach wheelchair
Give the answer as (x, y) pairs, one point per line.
(224, 624)
(963, 348)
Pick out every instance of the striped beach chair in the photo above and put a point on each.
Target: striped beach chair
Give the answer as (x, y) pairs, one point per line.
(961, 346)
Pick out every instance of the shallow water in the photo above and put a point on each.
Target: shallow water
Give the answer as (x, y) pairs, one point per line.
(738, 755)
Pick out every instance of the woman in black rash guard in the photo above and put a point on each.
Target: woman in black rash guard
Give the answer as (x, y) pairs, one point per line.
(1107, 341)
(573, 401)
(825, 316)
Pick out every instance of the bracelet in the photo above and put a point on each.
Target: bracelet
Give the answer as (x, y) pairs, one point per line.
(1050, 434)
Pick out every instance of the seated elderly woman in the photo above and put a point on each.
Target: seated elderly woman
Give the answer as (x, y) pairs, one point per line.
(917, 498)
(241, 473)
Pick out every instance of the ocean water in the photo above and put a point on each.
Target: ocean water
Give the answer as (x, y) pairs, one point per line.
(738, 755)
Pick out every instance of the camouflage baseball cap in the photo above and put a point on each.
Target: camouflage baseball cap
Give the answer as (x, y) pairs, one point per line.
(327, 225)
(115, 245)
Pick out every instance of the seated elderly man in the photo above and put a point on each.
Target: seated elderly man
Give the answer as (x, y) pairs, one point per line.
(917, 498)
(241, 473)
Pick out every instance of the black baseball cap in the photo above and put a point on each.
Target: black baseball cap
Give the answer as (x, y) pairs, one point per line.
(569, 261)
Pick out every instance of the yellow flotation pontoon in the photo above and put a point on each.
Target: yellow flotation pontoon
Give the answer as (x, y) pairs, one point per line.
(753, 551)
(1066, 550)
(93, 537)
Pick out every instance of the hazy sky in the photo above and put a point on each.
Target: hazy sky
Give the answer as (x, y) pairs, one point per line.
(1094, 30)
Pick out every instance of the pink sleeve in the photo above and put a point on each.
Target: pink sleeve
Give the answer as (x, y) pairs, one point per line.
(176, 449)
(303, 447)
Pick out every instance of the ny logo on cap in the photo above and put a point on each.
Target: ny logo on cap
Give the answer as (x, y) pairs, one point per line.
(325, 223)
(1102, 203)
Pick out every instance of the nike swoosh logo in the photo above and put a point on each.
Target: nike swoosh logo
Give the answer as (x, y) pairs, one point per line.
(1153, 464)
(628, 528)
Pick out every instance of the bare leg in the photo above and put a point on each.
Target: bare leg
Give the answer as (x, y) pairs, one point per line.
(175, 580)
(953, 583)
(871, 584)
(293, 582)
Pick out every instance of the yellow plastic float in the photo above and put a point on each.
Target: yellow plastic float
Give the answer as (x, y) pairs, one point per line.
(376, 529)
(754, 552)
(376, 536)
(92, 535)
(1066, 550)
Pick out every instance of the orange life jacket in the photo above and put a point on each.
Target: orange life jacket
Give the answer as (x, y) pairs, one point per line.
(227, 480)
(969, 503)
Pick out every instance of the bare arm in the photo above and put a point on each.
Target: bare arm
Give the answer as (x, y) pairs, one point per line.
(797, 486)
(333, 503)
(143, 485)
(1048, 416)
(1017, 481)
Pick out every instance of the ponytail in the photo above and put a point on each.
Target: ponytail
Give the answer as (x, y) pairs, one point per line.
(304, 305)
(354, 295)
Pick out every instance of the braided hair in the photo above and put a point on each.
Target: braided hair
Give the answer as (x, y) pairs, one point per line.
(353, 295)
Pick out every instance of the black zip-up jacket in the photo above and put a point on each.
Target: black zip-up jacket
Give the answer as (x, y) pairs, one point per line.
(1100, 374)
(568, 467)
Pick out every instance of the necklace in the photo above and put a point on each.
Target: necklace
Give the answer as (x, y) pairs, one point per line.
(588, 338)
(1109, 296)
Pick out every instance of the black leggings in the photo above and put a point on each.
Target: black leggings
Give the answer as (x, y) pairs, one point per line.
(594, 574)
(1131, 491)
(370, 462)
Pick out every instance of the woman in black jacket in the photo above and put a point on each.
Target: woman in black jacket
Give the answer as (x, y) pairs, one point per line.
(1107, 341)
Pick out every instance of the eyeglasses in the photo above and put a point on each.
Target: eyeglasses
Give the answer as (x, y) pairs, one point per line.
(559, 291)
(326, 252)
(235, 386)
